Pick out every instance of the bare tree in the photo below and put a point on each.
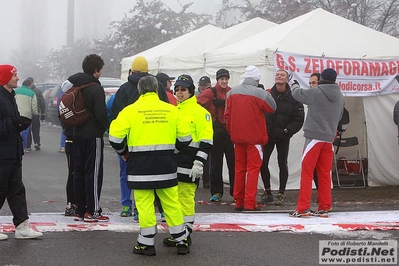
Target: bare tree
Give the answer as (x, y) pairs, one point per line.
(147, 25)
(380, 15)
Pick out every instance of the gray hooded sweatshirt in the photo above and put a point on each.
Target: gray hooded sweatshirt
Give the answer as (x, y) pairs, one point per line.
(325, 107)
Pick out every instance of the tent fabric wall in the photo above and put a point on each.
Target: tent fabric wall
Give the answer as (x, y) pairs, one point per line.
(383, 148)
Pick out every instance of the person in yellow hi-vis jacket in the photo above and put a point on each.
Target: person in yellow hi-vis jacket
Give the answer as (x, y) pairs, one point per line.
(152, 168)
(190, 160)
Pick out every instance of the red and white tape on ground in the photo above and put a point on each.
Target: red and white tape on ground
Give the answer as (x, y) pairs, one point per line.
(228, 222)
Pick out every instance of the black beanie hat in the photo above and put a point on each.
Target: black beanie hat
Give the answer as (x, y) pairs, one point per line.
(222, 73)
(328, 74)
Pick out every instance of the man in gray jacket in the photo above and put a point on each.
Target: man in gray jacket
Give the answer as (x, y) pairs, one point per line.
(325, 106)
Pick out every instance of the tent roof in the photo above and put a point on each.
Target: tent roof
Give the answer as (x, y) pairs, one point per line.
(335, 37)
(154, 53)
(246, 29)
(196, 43)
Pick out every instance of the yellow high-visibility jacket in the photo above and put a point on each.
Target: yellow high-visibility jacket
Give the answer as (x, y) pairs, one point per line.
(150, 130)
(201, 129)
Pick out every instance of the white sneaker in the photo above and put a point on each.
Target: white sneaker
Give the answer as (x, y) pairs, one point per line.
(3, 236)
(23, 231)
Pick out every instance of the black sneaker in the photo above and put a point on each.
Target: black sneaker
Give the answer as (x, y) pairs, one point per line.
(266, 198)
(70, 209)
(144, 250)
(170, 241)
(183, 249)
(37, 147)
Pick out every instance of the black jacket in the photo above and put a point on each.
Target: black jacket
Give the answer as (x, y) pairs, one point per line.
(128, 93)
(10, 139)
(288, 115)
(94, 97)
(41, 104)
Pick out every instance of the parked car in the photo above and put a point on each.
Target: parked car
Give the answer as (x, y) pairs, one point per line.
(45, 86)
(52, 101)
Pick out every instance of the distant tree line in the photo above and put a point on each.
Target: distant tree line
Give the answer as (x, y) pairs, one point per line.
(151, 23)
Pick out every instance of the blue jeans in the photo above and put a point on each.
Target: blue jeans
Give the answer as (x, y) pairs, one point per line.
(125, 191)
(24, 135)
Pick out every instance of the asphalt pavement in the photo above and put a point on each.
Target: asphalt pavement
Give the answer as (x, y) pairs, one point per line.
(45, 172)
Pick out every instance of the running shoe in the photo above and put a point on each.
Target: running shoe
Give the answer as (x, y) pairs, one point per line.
(126, 211)
(320, 213)
(279, 200)
(297, 214)
(216, 197)
(95, 217)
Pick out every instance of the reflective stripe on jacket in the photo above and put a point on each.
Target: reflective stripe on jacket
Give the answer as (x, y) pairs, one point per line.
(199, 121)
(151, 130)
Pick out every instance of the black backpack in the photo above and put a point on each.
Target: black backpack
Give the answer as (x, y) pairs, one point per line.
(343, 123)
(342, 126)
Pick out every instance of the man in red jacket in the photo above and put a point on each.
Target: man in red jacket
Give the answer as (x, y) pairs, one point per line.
(213, 100)
(245, 121)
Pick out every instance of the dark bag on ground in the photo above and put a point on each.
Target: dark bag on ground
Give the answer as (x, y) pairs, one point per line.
(72, 108)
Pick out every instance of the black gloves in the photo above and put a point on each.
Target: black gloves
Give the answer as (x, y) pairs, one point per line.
(21, 123)
(42, 117)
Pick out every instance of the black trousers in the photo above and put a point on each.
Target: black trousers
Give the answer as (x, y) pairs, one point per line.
(12, 188)
(222, 145)
(88, 156)
(69, 185)
(205, 175)
(282, 159)
(34, 131)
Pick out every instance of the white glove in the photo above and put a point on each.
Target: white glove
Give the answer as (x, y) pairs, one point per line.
(197, 170)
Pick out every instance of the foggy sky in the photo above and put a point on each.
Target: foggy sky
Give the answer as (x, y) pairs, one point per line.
(48, 19)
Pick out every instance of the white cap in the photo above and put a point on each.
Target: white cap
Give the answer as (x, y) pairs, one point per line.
(252, 72)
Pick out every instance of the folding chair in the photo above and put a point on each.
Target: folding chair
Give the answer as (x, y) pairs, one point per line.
(353, 166)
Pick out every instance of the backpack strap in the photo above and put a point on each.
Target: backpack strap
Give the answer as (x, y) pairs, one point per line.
(215, 97)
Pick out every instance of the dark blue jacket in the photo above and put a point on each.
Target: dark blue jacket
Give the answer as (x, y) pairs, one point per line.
(128, 93)
(10, 139)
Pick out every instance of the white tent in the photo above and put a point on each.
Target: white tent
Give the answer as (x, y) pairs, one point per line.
(317, 33)
(320, 33)
(174, 47)
(185, 54)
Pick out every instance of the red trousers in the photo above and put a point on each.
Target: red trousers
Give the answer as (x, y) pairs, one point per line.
(316, 154)
(248, 160)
